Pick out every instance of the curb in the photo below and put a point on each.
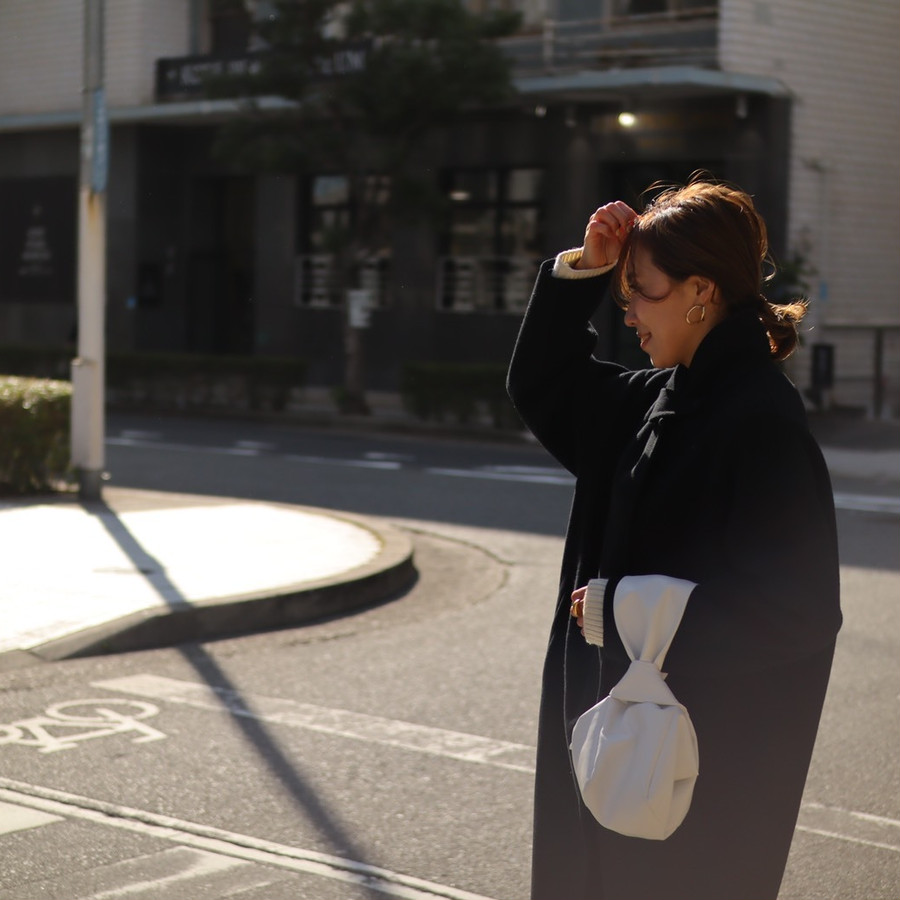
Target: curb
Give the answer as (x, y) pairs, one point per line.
(388, 574)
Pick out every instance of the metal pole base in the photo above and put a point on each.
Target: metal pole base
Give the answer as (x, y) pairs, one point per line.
(90, 484)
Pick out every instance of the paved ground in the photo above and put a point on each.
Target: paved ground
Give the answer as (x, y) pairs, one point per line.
(126, 573)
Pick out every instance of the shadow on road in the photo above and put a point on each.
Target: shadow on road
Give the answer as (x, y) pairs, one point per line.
(315, 810)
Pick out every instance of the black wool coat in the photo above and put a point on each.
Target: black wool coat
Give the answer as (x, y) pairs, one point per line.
(707, 473)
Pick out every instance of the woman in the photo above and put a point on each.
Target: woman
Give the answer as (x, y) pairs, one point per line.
(703, 469)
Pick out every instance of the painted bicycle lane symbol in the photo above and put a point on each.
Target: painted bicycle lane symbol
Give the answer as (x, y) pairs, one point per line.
(63, 726)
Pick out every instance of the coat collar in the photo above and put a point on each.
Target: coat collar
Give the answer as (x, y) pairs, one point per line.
(734, 344)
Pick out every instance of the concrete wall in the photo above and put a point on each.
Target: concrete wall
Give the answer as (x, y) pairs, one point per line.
(840, 59)
(41, 51)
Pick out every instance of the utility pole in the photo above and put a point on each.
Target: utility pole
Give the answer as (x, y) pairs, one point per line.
(88, 369)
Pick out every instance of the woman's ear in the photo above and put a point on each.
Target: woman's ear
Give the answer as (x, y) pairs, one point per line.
(705, 290)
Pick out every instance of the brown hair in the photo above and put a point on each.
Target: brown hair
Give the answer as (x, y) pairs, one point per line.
(712, 229)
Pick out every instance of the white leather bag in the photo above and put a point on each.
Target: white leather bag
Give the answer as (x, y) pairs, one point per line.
(635, 753)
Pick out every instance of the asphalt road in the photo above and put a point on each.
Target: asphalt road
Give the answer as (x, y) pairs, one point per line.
(390, 752)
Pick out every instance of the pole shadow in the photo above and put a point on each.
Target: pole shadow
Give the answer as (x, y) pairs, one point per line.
(323, 817)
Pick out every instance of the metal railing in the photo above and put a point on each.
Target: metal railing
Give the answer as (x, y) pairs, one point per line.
(866, 366)
(683, 36)
(316, 282)
(485, 283)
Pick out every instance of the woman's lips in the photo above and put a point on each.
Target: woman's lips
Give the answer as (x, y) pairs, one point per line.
(643, 338)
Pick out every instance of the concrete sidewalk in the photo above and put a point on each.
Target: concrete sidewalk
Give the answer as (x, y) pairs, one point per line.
(143, 569)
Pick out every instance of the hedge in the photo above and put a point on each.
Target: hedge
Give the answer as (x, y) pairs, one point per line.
(174, 380)
(467, 392)
(195, 381)
(34, 421)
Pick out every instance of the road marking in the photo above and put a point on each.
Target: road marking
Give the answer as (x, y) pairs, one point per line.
(390, 457)
(386, 465)
(865, 817)
(359, 726)
(835, 822)
(489, 473)
(81, 720)
(867, 503)
(14, 817)
(394, 462)
(190, 448)
(846, 837)
(153, 873)
(840, 824)
(136, 434)
(228, 843)
(255, 445)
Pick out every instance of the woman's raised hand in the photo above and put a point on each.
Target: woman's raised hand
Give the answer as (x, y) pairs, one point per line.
(606, 231)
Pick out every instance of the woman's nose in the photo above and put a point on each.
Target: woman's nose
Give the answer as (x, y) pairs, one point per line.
(630, 318)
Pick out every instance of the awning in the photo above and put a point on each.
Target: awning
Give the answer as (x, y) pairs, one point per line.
(187, 112)
(571, 87)
(665, 81)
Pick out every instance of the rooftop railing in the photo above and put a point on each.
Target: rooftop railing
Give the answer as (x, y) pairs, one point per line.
(687, 36)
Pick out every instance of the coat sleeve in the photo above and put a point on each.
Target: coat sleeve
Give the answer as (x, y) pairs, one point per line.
(554, 381)
(771, 595)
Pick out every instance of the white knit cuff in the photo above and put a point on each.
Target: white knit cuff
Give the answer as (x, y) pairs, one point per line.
(593, 611)
(562, 267)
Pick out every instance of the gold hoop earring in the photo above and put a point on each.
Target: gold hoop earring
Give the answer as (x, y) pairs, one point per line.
(702, 309)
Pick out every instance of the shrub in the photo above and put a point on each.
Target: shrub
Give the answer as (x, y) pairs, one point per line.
(173, 380)
(34, 422)
(198, 381)
(463, 391)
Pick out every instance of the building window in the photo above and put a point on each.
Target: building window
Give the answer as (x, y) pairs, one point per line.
(493, 242)
(331, 210)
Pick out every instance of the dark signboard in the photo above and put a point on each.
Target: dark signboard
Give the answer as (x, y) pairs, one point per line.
(38, 234)
(185, 77)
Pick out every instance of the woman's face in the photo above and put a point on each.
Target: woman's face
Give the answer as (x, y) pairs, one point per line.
(658, 311)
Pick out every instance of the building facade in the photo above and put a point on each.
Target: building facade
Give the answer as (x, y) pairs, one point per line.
(797, 101)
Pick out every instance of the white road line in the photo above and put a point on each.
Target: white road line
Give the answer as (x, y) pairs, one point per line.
(359, 726)
(846, 837)
(228, 843)
(867, 503)
(14, 817)
(417, 738)
(386, 465)
(255, 445)
(189, 448)
(850, 825)
(138, 435)
(251, 448)
(391, 457)
(865, 817)
(497, 475)
(153, 873)
(394, 462)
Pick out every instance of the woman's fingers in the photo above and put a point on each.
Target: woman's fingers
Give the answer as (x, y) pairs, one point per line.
(577, 607)
(605, 233)
(613, 218)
